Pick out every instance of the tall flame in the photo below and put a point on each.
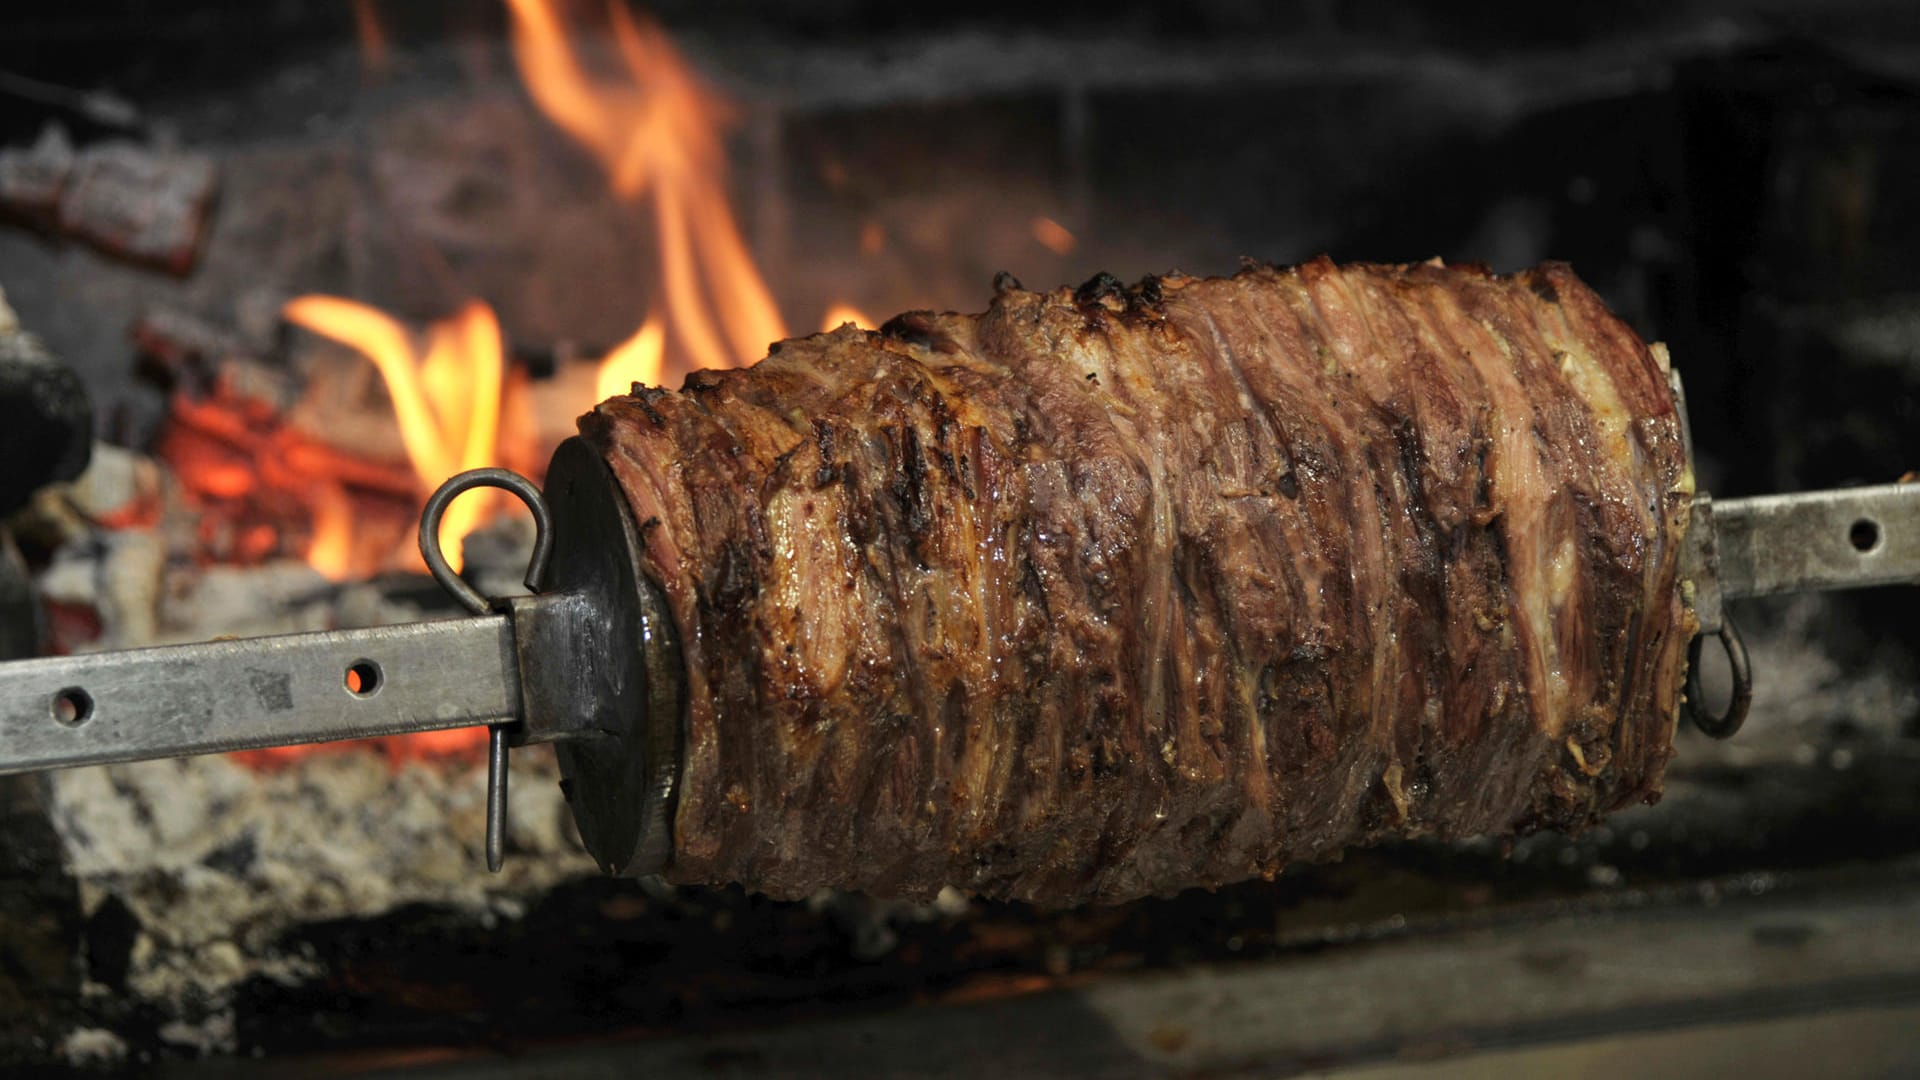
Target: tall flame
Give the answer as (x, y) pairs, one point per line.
(330, 551)
(656, 130)
(446, 399)
(657, 134)
(639, 359)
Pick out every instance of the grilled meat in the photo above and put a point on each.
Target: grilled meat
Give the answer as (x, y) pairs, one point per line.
(1117, 591)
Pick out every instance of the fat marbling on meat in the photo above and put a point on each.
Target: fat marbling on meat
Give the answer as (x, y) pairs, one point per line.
(1116, 591)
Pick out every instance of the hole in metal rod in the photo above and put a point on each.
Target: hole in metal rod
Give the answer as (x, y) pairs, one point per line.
(363, 678)
(73, 706)
(1864, 535)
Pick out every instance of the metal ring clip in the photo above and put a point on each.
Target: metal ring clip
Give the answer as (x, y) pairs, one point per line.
(436, 508)
(470, 598)
(1722, 726)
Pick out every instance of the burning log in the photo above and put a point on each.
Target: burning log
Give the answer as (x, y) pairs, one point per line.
(177, 348)
(32, 179)
(269, 490)
(135, 203)
(279, 466)
(304, 456)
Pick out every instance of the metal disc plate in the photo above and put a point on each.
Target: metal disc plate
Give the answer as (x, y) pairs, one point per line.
(621, 787)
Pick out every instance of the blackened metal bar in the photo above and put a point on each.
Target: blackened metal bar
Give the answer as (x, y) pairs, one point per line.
(251, 693)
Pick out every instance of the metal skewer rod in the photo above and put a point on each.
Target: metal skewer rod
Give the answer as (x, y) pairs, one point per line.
(1847, 538)
(248, 694)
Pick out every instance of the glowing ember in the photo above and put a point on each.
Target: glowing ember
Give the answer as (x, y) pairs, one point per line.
(446, 399)
(1053, 236)
(263, 489)
(455, 743)
(657, 133)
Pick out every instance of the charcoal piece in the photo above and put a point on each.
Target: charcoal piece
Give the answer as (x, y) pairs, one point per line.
(1123, 591)
(135, 203)
(179, 350)
(32, 178)
(141, 205)
(48, 433)
(22, 622)
(111, 932)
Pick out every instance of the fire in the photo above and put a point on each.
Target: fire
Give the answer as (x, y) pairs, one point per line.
(374, 51)
(330, 550)
(656, 129)
(639, 359)
(446, 397)
(842, 313)
(1053, 236)
(657, 132)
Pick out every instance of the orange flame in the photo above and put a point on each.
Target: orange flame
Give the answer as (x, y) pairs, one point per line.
(373, 39)
(639, 359)
(657, 133)
(447, 400)
(841, 313)
(330, 550)
(1053, 236)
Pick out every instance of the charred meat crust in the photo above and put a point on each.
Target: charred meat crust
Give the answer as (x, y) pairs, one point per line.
(1117, 591)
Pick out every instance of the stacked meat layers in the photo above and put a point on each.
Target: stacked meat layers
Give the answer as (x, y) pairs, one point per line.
(1116, 591)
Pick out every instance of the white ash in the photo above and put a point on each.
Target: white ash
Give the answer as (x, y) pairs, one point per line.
(116, 479)
(93, 1048)
(128, 580)
(217, 859)
(281, 597)
(869, 922)
(211, 1034)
